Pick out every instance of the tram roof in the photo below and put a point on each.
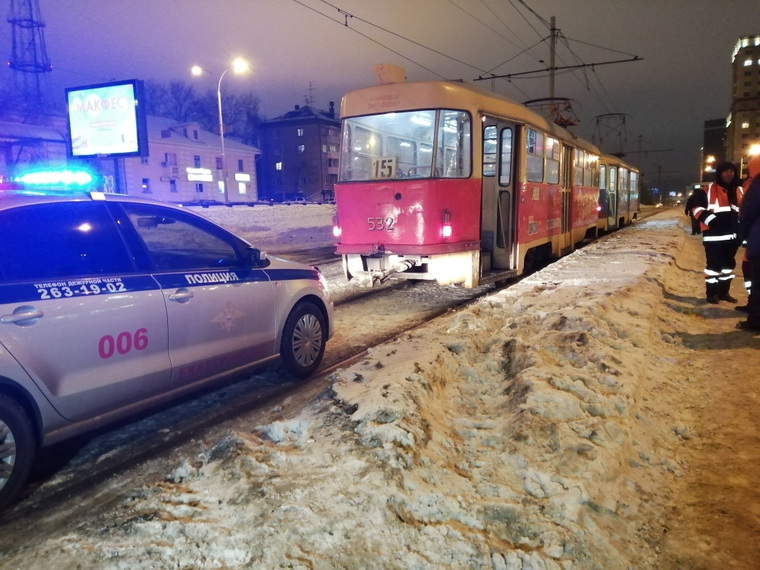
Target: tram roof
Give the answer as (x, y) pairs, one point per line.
(411, 95)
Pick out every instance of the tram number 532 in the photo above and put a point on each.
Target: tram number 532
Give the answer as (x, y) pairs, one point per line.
(379, 224)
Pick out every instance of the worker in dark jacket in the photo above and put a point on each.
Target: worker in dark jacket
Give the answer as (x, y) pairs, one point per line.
(695, 229)
(717, 210)
(749, 222)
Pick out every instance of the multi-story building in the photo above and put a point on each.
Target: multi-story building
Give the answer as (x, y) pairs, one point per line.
(185, 165)
(744, 121)
(300, 151)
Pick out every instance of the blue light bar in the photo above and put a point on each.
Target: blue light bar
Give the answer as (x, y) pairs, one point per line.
(64, 177)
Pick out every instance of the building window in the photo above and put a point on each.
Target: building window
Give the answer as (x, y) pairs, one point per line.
(197, 161)
(170, 159)
(172, 186)
(240, 165)
(219, 163)
(146, 185)
(198, 187)
(278, 165)
(241, 188)
(301, 148)
(143, 160)
(300, 132)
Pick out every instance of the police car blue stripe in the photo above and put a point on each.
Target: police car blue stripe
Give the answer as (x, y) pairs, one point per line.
(44, 290)
(210, 277)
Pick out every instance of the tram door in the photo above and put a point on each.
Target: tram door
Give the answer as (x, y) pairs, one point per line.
(612, 189)
(497, 230)
(566, 184)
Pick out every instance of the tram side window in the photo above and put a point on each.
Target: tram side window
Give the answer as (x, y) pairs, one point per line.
(454, 143)
(489, 151)
(634, 185)
(578, 159)
(612, 187)
(590, 169)
(602, 177)
(623, 181)
(535, 156)
(552, 160)
(505, 155)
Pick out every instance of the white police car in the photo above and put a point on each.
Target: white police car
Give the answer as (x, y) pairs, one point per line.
(110, 304)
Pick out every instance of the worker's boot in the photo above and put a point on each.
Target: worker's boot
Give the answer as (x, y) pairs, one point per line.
(724, 295)
(712, 293)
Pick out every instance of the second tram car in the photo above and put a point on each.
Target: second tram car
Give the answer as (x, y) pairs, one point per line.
(618, 193)
(442, 181)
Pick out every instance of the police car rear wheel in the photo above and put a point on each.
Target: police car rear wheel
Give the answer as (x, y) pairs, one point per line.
(303, 340)
(17, 449)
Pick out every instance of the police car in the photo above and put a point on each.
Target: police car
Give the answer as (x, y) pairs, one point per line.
(110, 304)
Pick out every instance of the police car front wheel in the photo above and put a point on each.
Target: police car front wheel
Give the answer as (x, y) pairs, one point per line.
(303, 340)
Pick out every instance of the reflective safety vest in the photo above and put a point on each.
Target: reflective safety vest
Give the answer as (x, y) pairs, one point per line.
(718, 219)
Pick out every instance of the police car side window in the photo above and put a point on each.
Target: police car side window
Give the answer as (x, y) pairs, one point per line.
(177, 242)
(58, 240)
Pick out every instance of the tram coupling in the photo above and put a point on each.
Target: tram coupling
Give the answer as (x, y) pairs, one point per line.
(373, 277)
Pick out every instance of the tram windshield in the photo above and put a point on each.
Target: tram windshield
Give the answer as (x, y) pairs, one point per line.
(408, 144)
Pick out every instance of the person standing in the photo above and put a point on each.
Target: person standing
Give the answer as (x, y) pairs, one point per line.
(695, 229)
(749, 224)
(717, 210)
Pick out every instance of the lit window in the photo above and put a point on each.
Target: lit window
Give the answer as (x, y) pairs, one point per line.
(146, 185)
(300, 132)
(301, 147)
(745, 125)
(278, 165)
(747, 62)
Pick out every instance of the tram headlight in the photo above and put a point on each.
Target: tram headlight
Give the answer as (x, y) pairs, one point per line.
(446, 229)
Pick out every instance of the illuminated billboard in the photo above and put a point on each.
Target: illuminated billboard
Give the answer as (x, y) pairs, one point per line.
(107, 120)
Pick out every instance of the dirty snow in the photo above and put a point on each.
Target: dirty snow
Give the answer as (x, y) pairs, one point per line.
(538, 428)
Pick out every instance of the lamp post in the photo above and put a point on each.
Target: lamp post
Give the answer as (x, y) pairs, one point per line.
(238, 65)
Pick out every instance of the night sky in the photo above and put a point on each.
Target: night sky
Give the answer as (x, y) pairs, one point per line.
(313, 51)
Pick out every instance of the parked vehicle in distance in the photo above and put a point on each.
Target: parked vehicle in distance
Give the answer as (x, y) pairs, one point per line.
(111, 304)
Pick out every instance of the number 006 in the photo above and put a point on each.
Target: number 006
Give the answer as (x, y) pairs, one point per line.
(123, 343)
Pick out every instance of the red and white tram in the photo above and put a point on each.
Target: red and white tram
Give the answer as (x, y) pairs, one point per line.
(442, 181)
(618, 193)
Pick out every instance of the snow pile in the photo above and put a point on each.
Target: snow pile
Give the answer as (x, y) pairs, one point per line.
(523, 432)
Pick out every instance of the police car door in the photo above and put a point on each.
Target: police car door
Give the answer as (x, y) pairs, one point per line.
(88, 328)
(220, 312)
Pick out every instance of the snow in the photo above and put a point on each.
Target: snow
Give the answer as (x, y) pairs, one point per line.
(541, 428)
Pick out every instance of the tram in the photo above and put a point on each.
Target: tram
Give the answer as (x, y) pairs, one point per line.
(618, 193)
(442, 181)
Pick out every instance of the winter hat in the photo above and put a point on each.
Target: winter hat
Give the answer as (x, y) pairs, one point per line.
(721, 167)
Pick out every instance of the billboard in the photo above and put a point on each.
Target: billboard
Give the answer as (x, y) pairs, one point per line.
(107, 120)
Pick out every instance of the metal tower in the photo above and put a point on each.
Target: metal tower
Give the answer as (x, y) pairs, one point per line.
(29, 59)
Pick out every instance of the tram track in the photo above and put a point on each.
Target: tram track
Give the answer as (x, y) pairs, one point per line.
(67, 473)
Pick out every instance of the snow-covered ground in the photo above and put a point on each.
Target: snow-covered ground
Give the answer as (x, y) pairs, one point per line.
(556, 424)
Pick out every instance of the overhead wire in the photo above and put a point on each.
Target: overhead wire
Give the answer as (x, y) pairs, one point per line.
(583, 77)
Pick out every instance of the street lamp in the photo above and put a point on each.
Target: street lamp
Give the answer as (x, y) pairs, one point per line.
(753, 151)
(238, 65)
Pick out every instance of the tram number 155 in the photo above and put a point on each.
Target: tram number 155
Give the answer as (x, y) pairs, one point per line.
(379, 224)
(384, 167)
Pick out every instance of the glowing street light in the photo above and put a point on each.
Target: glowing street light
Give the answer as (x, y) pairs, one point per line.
(754, 150)
(238, 65)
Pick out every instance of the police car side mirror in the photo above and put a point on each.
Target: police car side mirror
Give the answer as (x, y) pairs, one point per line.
(257, 258)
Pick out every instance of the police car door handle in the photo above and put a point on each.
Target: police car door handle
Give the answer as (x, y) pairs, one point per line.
(22, 316)
(181, 295)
